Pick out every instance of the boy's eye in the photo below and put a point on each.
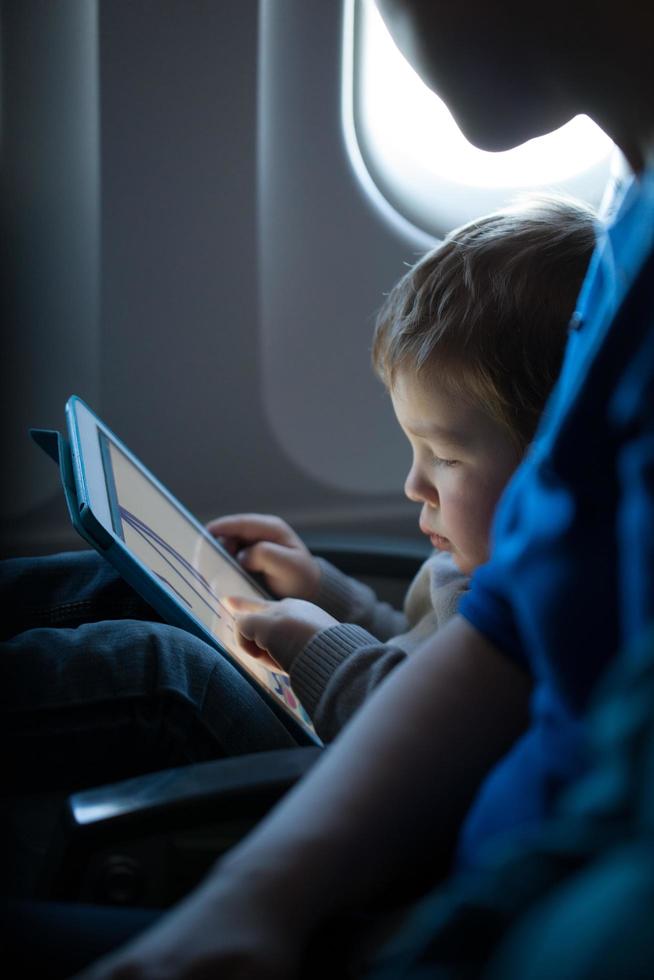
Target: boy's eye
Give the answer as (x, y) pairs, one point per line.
(439, 461)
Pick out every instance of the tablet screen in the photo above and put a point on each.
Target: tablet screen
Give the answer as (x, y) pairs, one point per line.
(186, 561)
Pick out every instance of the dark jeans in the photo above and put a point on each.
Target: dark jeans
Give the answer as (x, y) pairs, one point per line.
(95, 688)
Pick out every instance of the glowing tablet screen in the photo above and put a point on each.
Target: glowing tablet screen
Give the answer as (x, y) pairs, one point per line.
(187, 562)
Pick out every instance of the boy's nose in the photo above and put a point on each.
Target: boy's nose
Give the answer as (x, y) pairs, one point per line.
(419, 490)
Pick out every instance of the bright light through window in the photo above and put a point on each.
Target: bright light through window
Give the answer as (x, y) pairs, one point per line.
(421, 162)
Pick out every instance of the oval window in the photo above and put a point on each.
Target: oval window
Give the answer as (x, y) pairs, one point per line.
(430, 174)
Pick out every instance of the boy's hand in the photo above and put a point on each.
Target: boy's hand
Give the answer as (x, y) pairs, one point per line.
(266, 545)
(278, 629)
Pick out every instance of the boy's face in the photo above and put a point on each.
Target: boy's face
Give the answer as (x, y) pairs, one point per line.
(462, 460)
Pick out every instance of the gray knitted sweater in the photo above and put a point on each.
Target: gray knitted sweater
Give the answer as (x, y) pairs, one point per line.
(340, 666)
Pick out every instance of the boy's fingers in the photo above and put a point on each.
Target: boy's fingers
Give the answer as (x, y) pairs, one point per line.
(231, 545)
(249, 646)
(240, 604)
(253, 624)
(251, 527)
(264, 557)
(257, 653)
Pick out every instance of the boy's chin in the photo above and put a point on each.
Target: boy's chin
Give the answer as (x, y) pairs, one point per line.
(465, 565)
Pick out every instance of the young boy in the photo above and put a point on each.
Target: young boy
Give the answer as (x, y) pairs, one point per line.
(468, 343)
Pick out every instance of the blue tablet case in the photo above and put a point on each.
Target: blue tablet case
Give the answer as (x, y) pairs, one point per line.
(57, 447)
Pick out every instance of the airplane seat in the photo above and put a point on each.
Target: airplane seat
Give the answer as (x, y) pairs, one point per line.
(148, 840)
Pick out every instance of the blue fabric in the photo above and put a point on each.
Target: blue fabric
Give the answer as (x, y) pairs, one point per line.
(569, 580)
(576, 901)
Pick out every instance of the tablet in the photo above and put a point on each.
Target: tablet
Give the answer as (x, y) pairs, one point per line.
(166, 554)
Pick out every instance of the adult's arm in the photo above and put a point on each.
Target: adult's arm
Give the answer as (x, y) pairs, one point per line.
(392, 788)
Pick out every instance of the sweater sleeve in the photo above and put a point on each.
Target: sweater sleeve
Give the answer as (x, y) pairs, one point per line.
(335, 673)
(350, 601)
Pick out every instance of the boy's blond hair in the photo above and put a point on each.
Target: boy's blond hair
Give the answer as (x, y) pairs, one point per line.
(487, 311)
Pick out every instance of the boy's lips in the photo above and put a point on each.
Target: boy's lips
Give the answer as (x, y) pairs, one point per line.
(437, 540)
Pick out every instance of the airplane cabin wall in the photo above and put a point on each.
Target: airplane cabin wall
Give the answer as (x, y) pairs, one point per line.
(236, 270)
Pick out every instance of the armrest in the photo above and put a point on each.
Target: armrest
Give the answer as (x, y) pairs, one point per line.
(149, 840)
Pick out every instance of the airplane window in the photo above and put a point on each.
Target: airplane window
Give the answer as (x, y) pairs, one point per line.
(430, 174)
(335, 233)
